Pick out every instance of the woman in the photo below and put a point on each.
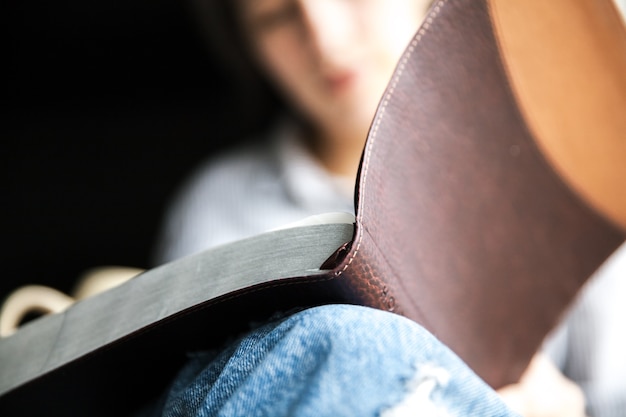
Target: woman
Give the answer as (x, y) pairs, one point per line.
(329, 61)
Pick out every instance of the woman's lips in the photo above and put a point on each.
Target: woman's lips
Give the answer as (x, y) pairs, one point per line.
(340, 81)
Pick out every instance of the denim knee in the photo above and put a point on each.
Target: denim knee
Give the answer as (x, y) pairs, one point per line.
(337, 360)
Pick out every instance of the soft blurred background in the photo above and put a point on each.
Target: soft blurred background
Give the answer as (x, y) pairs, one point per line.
(106, 106)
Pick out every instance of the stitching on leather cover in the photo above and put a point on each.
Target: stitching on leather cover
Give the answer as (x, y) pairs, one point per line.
(381, 113)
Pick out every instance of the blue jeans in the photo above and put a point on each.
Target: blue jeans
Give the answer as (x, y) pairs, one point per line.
(334, 360)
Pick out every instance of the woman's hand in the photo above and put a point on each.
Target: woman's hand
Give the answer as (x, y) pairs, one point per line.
(544, 392)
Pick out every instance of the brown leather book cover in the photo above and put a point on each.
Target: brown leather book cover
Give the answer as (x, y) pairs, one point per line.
(463, 223)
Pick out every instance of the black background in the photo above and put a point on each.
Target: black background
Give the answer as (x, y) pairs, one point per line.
(106, 106)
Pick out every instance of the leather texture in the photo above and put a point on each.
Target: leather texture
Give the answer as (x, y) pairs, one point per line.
(462, 224)
(581, 56)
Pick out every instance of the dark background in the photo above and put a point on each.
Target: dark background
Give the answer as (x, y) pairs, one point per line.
(106, 107)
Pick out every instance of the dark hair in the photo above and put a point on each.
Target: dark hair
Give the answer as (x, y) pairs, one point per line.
(219, 24)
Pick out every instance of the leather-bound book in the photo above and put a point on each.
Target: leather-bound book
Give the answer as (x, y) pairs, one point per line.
(488, 192)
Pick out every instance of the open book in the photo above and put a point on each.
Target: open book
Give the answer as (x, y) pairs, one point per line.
(469, 218)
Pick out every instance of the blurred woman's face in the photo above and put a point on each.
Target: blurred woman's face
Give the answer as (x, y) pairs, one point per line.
(331, 58)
